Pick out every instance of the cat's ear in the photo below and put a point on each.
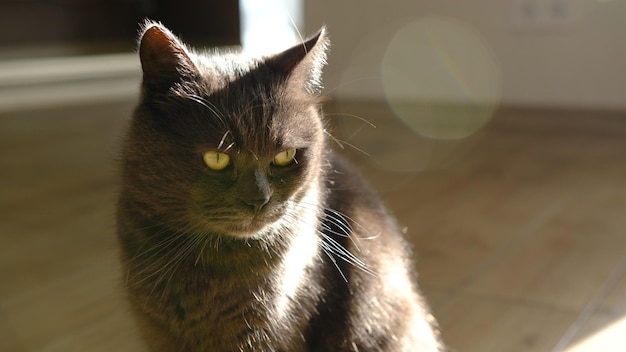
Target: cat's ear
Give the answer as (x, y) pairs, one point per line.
(302, 64)
(164, 58)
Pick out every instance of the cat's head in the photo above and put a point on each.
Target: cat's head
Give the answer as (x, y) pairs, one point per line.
(222, 143)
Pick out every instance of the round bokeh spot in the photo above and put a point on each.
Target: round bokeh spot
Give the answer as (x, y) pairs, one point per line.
(441, 78)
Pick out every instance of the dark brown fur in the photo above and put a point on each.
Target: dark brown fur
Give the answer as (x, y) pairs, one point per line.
(255, 257)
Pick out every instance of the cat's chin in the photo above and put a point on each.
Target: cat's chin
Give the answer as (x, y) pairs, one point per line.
(249, 230)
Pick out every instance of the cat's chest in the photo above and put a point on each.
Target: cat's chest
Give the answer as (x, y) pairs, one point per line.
(215, 315)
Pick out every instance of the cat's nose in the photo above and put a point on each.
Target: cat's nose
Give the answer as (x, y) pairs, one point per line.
(257, 203)
(256, 192)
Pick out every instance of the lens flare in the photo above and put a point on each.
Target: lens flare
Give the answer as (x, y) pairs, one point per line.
(441, 78)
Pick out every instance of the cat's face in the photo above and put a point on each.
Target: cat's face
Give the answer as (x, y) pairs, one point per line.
(224, 145)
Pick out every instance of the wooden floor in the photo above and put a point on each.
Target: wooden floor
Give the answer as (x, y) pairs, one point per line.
(519, 229)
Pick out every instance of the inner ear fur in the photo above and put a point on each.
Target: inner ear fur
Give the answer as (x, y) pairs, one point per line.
(302, 64)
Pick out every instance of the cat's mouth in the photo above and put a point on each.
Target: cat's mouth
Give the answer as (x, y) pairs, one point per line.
(242, 226)
(251, 227)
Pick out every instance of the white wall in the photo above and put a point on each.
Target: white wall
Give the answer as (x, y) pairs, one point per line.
(479, 51)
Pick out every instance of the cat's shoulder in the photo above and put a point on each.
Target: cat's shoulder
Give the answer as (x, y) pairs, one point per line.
(345, 182)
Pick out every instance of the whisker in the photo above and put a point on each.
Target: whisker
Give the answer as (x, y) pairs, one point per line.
(332, 247)
(293, 23)
(339, 216)
(219, 146)
(328, 91)
(334, 139)
(362, 119)
(335, 263)
(344, 254)
(356, 132)
(229, 146)
(356, 148)
(174, 264)
(342, 142)
(207, 104)
(201, 253)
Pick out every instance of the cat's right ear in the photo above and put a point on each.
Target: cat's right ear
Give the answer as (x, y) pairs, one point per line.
(164, 58)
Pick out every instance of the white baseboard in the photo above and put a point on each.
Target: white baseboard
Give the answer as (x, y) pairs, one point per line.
(42, 83)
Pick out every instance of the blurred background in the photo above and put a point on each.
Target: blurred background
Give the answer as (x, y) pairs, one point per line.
(495, 131)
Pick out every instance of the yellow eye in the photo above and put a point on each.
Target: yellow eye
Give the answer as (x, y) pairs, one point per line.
(285, 157)
(216, 160)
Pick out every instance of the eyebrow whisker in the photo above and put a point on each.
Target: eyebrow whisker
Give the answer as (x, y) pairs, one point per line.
(223, 140)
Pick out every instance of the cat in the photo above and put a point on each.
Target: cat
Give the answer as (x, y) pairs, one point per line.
(240, 229)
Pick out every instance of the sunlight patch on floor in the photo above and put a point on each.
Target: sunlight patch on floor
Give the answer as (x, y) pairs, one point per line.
(611, 338)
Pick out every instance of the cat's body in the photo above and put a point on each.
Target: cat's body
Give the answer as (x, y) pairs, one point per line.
(278, 245)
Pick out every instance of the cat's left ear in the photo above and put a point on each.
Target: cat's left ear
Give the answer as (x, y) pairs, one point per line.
(301, 65)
